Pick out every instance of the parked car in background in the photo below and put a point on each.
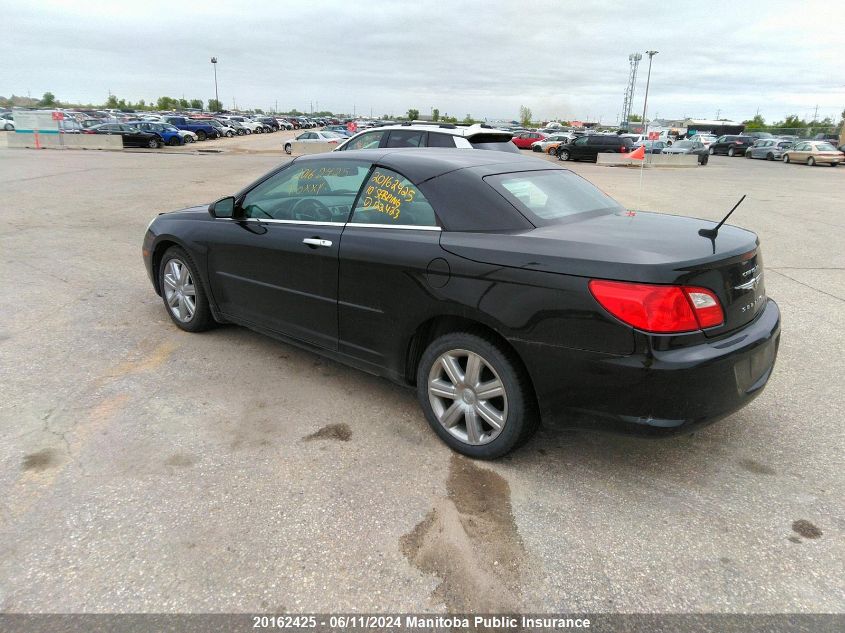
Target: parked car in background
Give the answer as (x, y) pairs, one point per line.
(551, 142)
(562, 303)
(250, 126)
(202, 129)
(314, 136)
(590, 146)
(758, 135)
(768, 148)
(7, 122)
(339, 129)
(731, 145)
(223, 129)
(432, 135)
(524, 140)
(651, 147)
(188, 136)
(270, 124)
(689, 147)
(169, 134)
(833, 139)
(131, 135)
(284, 123)
(704, 139)
(812, 153)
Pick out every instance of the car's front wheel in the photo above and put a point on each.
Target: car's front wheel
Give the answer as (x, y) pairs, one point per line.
(8, 127)
(564, 155)
(201, 135)
(152, 143)
(288, 148)
(475, 395)
(786, 158)
(230, 134)
(183, 292)
(731, 152)
(174, 141)
(712, 152)
(770, 156)
(811, 161)
(748, 155)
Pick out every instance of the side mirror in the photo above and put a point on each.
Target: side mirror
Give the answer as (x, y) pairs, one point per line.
(223, 208)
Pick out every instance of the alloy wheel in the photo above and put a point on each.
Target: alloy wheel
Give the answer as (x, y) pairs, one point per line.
(811, 161)
(467, 397)
(179, 290)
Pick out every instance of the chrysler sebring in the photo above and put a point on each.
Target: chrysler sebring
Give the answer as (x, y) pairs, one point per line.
(503, 288)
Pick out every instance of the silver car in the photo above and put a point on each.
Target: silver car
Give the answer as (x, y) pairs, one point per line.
(768, 148)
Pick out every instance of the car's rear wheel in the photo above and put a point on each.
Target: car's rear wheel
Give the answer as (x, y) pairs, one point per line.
(811, 161)
(241, 132)
(552, 151)
(731, 151)
(182, 291)
(770, 156)
(174, 141)
(152, 143)
(748, 155)
(834, 164)
(8, 127)
(288, 148)
(201, 135)
(712, 151)
(564, 155)
(786, 158)
(230, 134)
(475, 395)
(536, 148)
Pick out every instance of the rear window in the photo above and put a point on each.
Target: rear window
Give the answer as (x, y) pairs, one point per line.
(435, 139)
(549, 196)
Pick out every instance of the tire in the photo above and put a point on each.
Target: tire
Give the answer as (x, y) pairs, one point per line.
(712, 151)
(172, 289)
(703, 159)
(470, 432)
(564, 155)
(811, 161)
(552, 151)
(174, 141)
(786, 158)
(536, 148)
(288, 148)
(748, 155)
(8, 127)
(247, 131)
(152, 143)
(731, 152)
(230, 134)
(241, 132)
(834, 164)
(201, 135)
(770, 156)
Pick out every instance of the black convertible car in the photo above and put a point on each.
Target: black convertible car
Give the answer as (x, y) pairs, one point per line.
(503, 287)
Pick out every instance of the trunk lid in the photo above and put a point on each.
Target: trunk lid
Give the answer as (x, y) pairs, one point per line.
(634, 246)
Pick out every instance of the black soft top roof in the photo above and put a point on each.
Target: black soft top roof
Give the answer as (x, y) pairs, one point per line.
(421, 164)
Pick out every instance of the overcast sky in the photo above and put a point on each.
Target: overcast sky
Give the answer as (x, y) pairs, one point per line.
(562, 59)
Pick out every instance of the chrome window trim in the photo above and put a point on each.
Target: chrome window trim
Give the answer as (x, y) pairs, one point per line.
(407, 227)
(394, 226)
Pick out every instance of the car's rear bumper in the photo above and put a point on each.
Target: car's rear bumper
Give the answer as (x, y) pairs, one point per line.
(661, 392)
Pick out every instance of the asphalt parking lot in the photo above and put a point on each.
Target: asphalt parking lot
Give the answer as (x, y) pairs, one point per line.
(143, 469)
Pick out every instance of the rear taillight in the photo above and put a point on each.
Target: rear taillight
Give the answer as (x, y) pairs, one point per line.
(659, 309)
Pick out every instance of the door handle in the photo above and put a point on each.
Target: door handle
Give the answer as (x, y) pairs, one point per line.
(315, 241)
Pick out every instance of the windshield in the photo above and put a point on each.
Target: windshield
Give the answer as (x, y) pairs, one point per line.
(684, 144)
(548, 196)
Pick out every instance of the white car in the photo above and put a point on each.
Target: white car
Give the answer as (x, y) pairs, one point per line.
(314, 136)
(478, 136)
(252, 127)
(551, 142)
(705, 139)
(6, 122)
(188, 136)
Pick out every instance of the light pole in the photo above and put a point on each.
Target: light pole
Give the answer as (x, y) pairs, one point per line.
(216, 95)
(647, 82)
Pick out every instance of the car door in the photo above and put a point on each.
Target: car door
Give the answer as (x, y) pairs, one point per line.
(579, 147)
(388, 251)
(276, 264)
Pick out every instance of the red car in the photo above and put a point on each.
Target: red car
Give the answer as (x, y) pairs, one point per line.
(523, 140)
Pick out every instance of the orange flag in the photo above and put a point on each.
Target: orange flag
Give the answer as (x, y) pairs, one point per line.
(637, 154)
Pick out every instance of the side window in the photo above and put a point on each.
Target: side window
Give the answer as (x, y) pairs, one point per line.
(389, 198)
(313, 191)
(581, 141)
(440, 140)
(365, 141)
(406, 138)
